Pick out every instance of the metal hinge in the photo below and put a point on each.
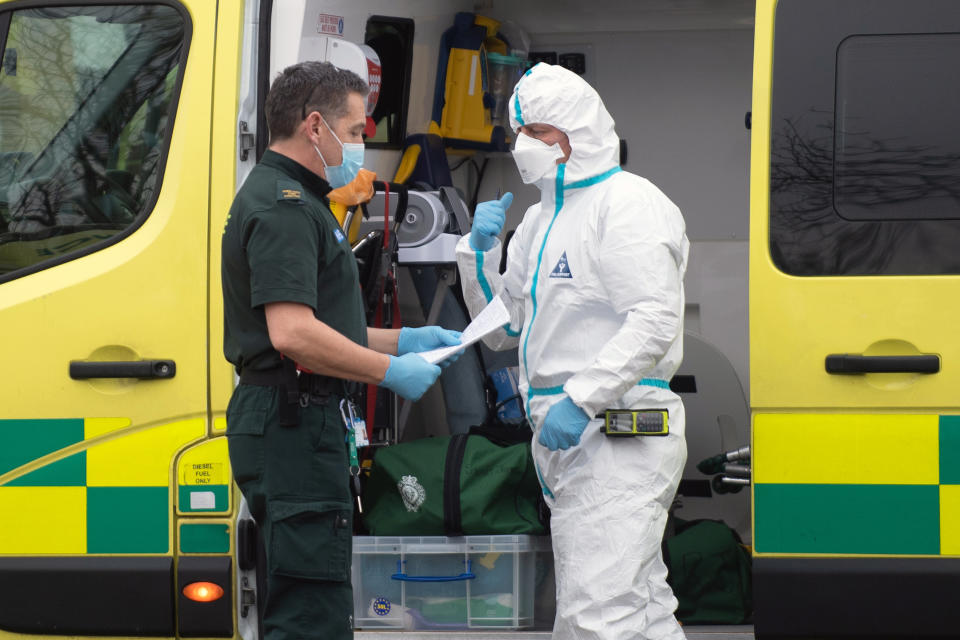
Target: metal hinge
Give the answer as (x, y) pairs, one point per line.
(248, 597)
(247, 141)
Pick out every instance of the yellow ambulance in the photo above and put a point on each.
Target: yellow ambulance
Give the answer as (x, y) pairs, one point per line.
(119, 155)
(854, 290)
(126, 128)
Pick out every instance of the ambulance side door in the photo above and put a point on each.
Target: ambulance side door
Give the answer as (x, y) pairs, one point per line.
(854, 282)
(105, 127)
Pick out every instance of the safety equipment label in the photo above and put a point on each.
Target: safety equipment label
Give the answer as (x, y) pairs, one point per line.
(562, 270)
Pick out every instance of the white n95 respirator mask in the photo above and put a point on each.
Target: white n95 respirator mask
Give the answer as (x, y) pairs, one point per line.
(534, 158)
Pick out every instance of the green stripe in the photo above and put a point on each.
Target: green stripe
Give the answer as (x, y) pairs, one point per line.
(204, 538)
(949, 449)
(22, 441)
(849, 519)
(128, 519)
(220, 492)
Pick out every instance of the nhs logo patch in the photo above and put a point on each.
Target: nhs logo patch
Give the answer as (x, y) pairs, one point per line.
(339, 235)
(562, 270)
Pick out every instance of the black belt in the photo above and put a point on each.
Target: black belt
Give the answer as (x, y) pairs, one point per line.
(312, 383)
(295, 390)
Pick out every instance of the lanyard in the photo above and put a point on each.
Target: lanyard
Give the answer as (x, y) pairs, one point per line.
(355, 426)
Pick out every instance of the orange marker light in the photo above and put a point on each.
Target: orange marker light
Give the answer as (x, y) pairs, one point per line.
(203, 591)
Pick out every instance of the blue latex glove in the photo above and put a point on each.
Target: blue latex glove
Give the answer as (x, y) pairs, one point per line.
(427, 338)
(563, 425)
(488, 220)
(410, 376)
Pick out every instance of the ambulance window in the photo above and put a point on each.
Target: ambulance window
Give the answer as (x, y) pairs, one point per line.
(864, 139)
(392, 40)
(897, 153)
(86, 101)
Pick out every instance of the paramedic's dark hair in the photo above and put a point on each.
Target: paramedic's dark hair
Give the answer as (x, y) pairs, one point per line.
(305, 87)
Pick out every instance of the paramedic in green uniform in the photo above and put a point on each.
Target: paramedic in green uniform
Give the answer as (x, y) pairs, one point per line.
(292, 295)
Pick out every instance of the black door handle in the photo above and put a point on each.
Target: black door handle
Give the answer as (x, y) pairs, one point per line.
(852, 363)
(83, 369)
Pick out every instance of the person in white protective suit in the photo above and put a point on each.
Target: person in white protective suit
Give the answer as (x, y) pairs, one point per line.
(594, 286)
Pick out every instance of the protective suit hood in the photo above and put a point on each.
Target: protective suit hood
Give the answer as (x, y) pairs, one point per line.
(553, 95)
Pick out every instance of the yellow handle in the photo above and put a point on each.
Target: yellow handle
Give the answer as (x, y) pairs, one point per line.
(407, 164)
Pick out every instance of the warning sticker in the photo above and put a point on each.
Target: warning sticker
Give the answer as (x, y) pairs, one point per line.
(202, 473)
(330, 24)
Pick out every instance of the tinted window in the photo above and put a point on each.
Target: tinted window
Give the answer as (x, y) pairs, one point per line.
(897, 153)
(86, 95)
(865, 142)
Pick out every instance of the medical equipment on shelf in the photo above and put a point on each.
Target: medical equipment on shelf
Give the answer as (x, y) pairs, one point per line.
(430, 227)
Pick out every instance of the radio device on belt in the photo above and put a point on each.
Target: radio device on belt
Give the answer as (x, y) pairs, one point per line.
(619, 423)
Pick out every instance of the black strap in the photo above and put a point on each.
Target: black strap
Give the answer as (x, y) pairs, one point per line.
(289, 396)
(452, 523)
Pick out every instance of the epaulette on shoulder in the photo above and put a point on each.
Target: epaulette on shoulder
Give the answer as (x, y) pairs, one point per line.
(289, 191)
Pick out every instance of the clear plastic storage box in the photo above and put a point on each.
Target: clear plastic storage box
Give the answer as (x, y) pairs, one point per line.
(444, 583)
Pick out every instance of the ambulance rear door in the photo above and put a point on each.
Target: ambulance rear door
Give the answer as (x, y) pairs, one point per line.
(854, 300)
(105, 130)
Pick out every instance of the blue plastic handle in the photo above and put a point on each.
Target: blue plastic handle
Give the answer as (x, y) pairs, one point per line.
(399, 575)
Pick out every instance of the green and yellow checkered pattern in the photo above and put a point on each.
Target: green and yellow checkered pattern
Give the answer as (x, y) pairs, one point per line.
(111, 497)
(856, 484)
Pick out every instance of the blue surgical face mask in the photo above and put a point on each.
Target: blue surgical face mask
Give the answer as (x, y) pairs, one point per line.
(346, 171)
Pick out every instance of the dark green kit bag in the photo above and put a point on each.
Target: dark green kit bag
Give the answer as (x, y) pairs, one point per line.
(452, 486)
(709, 572)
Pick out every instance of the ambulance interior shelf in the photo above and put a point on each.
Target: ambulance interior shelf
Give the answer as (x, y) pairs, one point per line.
(427, 231)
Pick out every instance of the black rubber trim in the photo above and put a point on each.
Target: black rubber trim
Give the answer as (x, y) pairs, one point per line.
(263, 74)
(452, 521)
(247, 544)
(142, 369)
(84, 595)
(205, 619)
(846, 363)
(876, 598)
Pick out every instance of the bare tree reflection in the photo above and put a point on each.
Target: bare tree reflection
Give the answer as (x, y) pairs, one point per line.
(84, 114)
(868, 211)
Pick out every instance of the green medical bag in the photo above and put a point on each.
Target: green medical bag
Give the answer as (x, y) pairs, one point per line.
(709, 572)
(453, 485)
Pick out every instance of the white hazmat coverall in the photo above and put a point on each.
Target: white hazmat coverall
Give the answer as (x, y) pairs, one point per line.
(594, 285)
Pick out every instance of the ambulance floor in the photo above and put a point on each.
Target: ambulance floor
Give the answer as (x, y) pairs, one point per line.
(720, 632)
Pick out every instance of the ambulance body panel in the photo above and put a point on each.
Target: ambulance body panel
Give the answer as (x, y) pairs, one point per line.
(853, 278)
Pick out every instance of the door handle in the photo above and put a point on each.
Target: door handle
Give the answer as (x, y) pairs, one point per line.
(848, 363)
(143, 369)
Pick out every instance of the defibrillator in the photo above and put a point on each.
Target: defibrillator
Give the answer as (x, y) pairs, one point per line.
(618, 423)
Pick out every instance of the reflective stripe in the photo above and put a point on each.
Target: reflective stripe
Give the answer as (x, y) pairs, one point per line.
(586, 182)
(561, 169)
(653, 382)
(482, 279)
(510, 332)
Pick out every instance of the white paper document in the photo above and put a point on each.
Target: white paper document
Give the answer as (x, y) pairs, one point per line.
(493, 316)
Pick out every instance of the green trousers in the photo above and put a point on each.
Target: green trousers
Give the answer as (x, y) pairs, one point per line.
(296, 483)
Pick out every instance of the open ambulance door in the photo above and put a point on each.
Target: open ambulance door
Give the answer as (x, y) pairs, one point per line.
(854, 297)
(115, 488)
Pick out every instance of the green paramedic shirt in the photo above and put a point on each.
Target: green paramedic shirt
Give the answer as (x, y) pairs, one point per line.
(281, 243)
